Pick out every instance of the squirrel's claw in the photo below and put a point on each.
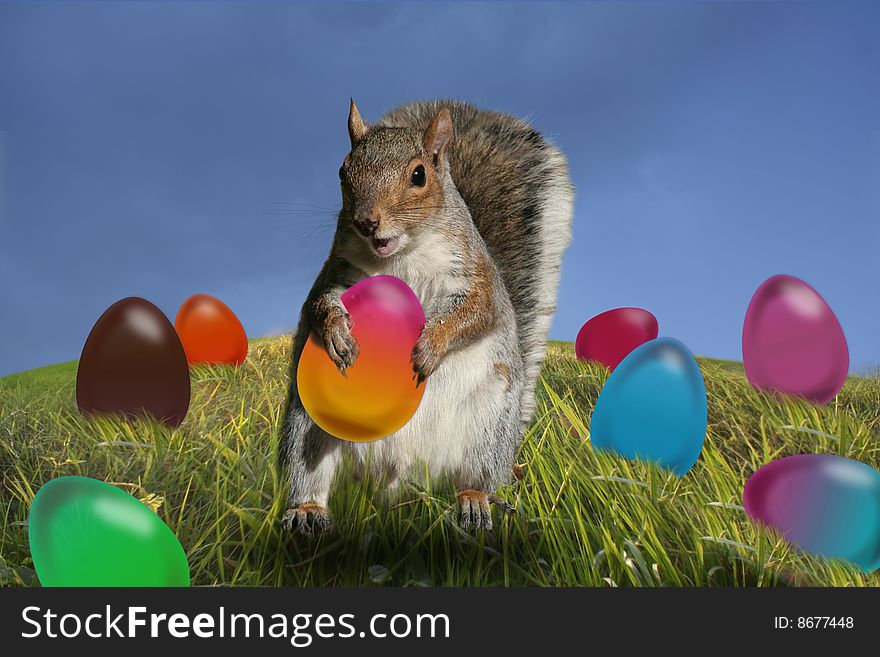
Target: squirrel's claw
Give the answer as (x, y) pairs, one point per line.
(425, 358)
(474, 510)
(340, 344)
(306, 519)
(502, 504)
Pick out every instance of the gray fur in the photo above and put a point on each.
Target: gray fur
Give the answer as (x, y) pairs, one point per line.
(503, 224)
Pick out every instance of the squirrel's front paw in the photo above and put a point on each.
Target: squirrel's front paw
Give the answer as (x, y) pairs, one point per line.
(339, 342)
(307, 518)
(426, 355)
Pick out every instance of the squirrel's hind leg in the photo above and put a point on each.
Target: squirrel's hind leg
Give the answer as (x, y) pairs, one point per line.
(474, 508)
(490, 465)
(311, 459)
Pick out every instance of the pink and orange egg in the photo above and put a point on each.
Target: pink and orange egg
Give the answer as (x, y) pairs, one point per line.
(378, 394)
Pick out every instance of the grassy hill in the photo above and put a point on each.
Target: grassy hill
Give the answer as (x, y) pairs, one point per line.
(583, 518)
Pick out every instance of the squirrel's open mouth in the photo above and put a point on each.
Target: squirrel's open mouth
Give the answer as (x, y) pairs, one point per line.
(386, 246)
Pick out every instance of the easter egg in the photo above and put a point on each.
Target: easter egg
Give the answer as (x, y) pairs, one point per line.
(825, 504)
(378, 394)
(210, 332)
(610, 336)
(653, 407)
(792, 342)
(85, 532)
(132, 364)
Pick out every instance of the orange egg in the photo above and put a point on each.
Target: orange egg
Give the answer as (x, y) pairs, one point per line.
(210, 332)
(378, 394)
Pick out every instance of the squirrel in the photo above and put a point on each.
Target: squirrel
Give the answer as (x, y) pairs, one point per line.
(472, 209)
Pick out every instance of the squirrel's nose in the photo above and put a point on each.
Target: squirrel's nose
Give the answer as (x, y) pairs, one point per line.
(365, 227)
(367, 223)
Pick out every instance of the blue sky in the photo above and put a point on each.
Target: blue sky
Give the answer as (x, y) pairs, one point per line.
(164, 149)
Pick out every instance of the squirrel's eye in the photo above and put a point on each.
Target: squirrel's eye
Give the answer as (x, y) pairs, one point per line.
(418, 177)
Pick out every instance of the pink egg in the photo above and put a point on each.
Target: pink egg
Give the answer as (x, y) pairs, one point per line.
(792, 342)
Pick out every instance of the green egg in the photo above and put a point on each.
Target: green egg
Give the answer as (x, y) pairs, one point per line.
(85, 532)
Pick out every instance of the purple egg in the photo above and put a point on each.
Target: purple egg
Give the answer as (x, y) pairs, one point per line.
(792, 342)
(825, 504)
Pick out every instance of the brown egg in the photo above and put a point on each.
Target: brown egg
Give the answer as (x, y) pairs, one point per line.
(133, 364)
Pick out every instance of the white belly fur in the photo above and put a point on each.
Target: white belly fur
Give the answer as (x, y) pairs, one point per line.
(462, 398)
(457, 410)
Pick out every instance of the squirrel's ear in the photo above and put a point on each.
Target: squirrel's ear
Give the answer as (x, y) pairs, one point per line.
(356, 127)
(438, 135)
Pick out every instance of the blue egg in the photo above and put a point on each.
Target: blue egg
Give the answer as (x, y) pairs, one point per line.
(653, 407)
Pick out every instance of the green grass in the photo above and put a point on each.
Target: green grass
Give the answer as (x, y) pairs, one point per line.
(583, 518)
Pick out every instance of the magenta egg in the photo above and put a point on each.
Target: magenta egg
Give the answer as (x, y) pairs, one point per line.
(610, 336)
(792, 341)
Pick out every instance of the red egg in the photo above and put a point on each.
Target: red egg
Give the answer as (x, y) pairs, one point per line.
(210, 332)
(610, 336)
